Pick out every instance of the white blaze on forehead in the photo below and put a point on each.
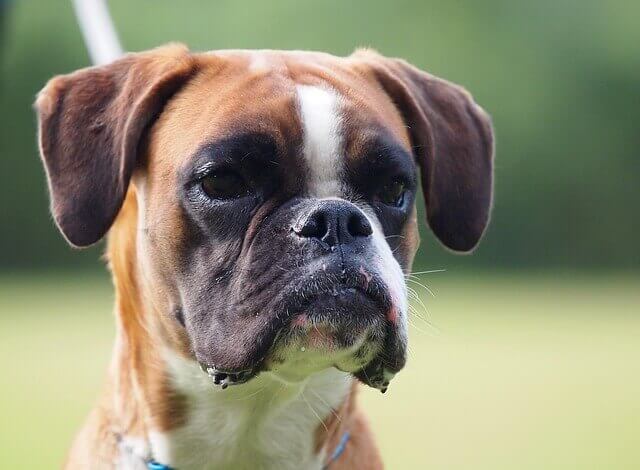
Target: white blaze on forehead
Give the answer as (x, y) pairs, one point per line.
(320, 116)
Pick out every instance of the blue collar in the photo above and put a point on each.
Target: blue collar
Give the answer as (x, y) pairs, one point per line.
(153, 465)
(338, 450)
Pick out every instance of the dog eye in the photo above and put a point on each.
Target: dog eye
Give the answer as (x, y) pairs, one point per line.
(223, 185)
(393, 193)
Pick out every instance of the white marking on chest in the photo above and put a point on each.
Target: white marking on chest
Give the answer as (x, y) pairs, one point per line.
(133, 451)
(321, 122)
(262, 424)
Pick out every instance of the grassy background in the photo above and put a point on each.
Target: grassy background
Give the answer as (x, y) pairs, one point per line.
(511, 372)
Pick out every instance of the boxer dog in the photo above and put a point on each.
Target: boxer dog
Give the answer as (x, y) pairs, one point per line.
(259, 208)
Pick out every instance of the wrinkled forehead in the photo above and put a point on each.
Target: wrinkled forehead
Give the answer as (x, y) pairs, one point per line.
(309, 111)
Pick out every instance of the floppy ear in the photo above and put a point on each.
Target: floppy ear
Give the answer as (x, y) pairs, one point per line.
(90, 125)
(452, 141)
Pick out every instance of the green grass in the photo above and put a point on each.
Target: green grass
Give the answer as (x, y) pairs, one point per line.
(528, 372)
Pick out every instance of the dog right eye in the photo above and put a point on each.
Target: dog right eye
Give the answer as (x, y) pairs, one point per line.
(224, 185)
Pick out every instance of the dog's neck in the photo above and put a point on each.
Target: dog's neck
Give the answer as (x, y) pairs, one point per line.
(165, 408)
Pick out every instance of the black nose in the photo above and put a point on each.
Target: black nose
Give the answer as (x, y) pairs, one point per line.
(335, 223)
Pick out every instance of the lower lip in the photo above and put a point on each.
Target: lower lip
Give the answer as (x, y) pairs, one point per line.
(343, 297)
(319, 321)
(329, 306)
(334, 307)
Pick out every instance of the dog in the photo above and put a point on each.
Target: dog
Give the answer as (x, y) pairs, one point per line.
(260, 215)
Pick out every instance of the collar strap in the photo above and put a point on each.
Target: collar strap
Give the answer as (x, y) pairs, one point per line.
(153, 465)
(338, 450)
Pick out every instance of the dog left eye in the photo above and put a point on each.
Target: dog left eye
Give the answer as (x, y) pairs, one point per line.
(224, 185)
(393, 193)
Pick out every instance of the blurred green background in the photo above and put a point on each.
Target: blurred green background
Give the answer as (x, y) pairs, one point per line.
(531, 354)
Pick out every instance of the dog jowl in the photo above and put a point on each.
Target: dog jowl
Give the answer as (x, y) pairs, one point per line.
(260, 206)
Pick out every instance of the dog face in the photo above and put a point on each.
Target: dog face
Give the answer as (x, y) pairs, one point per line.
(276, 195)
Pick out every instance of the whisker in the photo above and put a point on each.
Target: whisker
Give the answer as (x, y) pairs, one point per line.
(422, 304)
(327, 405)
(431, 326)
(253, 394)
(424, 286)
(416, 326)
(431, 271)
(415, 314)
(314, 412)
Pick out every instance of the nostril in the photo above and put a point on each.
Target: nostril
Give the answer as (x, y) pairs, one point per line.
(314, 226)
(358, 225)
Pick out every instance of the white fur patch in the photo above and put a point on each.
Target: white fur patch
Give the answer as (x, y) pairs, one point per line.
(132, 453)
(319, 112)
(265, 423)
(391, 272)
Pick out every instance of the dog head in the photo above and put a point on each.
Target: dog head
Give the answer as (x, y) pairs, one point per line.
(276, 195)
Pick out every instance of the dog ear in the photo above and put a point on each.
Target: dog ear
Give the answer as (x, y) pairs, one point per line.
(452, 141)
(90, 125)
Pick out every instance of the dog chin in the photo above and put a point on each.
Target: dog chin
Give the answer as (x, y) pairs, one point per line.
(342, 329)
(346, 328)
(340, 316)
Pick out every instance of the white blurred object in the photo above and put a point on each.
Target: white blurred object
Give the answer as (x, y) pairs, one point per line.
(97, 28)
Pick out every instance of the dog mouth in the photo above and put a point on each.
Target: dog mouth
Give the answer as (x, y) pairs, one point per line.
(224, 378)
(345, 313)
(349, 300)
